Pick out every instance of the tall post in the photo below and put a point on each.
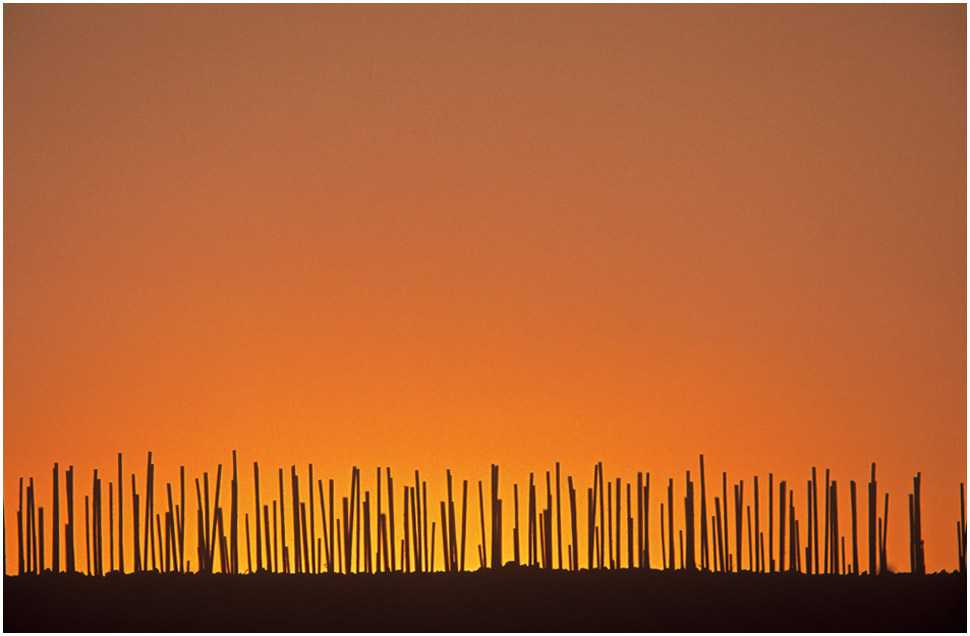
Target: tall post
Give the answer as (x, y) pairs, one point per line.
(855, 536)
(705, 552)
(56, 524)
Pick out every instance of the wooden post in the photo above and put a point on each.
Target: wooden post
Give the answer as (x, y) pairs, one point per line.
(758, 563)
(313, 532)
(920, 562)
(629, 530)
(298, 563)
(40, 532)
(705, 552)
(616, 493)
(808, 533)
(670, 522)
(406, 551)
(815, 519)
(111, 527)
(390, 513)
(781, 525)
(738, 522)
(751, 564)
(646, 520)
(266, 537)
(771, 517)
(855, 536)
(135, 517)
(515, 527)
(69, 530)
(828, 525)
(424, 530)
(87, 532)
(432, 544)
(602, 521)
(835, 526)
(259, 535)
(609, 523)
(640, 519)
(451, 525)
(56, 523)
(724, 506)
(481, 509)
(720, 535)
(558, 517)
(572, 515)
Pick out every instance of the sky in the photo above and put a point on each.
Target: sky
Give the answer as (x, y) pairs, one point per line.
(441, 237)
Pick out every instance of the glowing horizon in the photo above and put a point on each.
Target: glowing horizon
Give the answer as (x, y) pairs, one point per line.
(442, 237)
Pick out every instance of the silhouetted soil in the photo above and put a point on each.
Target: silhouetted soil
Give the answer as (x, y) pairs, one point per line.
(514, 599)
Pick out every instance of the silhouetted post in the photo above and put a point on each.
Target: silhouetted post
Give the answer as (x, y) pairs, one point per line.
(616, 493)
(180, 514)
(451, 524)
(590, 531)
(646, 520)
(771, 517)
(481, 509)
(558, 516)
(793, 529)
(415, 539)
(920, 562)
(515, 526)
(855, 537)
(680, 535)
(313, 534)
(135, 517)
(380, 527)
(96, 528)
(406, 548)
(121, 519)
(640, 519)
(835, 526)
(111, 527)
(348, 539)
(758, 563)
(282, 498)
(40, 531)
(259, 535)
(602, 521)
(808, 533)
(149, 541)
(357, 518)
(629, 529)
(609, 523)
(828, 525)
(390, 512)
(169, 533)
(575, 529)
(670, 521)
(234, 518)
(872, 520)
(69, 535)
(815, 519)
(424, 520)
(56, 524)
(781, 525)
(727, 539)
(323, 523)
(705, 551)
(22, 535)
(298, 564)
(751, 552)
(418, 524)
(87, 532)
(738, 521)
(532, 520)
(720, 534)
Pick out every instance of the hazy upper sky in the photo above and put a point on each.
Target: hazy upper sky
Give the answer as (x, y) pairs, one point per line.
(446, 236)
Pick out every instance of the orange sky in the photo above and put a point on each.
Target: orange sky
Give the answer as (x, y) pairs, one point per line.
(444, 236)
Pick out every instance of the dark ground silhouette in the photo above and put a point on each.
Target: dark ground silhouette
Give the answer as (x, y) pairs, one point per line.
(512, 599)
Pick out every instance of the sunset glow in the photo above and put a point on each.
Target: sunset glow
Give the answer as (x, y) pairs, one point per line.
(441, 237)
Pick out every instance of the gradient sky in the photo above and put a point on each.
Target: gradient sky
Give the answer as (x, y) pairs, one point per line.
(444, 236)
